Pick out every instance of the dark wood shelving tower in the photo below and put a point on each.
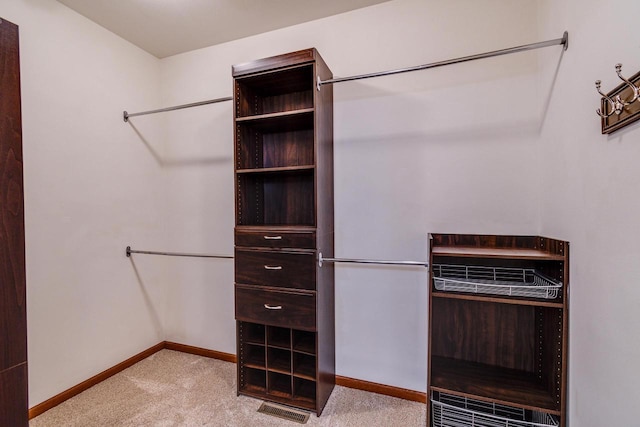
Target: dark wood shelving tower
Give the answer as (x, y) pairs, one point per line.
(284, 217)
(493, 347)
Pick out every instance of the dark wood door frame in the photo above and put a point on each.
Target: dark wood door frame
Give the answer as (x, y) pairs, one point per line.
(13, 314)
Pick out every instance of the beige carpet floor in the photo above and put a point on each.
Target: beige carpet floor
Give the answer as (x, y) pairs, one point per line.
(171, 388)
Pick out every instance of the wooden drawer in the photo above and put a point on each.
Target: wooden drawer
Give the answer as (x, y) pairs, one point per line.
(275, 238)
(288, 309)
(275, 268)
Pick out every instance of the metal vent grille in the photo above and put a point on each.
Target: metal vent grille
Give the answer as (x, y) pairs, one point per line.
(284, 412)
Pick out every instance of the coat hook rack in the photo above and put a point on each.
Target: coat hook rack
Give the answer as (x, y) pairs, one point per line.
(621, 106)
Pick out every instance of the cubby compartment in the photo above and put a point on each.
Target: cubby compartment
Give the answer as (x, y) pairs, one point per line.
(304, 342)
(287, 90)
(279, 384)
(279, 337)
(254, 356)
(279, 360)
(253, 380)
(304, 366)
(275, 142)
(454, 411)
(276, 198)
(252, 333)
(304, 389)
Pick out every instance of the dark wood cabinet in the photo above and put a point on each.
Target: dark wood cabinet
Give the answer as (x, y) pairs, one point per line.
(284, 217)
(13, 314)
(498, 323)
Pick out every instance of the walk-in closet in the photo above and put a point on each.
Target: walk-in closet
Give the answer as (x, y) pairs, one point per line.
(355, 213)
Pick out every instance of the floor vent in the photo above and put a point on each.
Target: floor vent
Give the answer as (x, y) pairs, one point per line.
(284, 412)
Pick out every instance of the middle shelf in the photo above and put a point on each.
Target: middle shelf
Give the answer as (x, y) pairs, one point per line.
(493, 384)
(275, 141)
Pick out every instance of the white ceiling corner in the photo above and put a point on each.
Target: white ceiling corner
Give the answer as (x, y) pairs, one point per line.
(169, 27)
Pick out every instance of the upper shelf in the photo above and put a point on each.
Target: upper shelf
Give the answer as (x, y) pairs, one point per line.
(503, 253)
(280, 121)
(284, 90)
(502, 247)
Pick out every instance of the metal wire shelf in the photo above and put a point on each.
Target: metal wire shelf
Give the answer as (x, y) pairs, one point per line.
(455, 411)
(515, 282)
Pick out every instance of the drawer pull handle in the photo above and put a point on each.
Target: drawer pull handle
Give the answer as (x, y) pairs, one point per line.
(272, 237)
(273, 267)
(273, 307)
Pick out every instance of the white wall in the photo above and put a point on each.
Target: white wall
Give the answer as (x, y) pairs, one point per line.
(590, 197)
(439, 151)
(91, 188)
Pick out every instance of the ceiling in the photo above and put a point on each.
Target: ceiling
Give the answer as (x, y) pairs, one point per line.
(168, 27)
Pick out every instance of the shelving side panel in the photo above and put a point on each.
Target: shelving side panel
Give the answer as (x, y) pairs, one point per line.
(551, 357)
(323, 128)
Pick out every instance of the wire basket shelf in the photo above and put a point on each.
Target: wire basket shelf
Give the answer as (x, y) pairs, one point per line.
(515, 282)
(455, 411)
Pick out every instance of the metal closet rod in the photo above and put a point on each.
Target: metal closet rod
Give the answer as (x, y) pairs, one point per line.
(126, 115)
(133, 251)
(322, 259)
(564, 40)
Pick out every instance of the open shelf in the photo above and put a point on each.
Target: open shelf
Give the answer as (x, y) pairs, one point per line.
(276, 169)
(502, 253)
(499, 300)
(279, 140)
(276, 198)
(492, 383)
(284, 90)
(280, 121)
